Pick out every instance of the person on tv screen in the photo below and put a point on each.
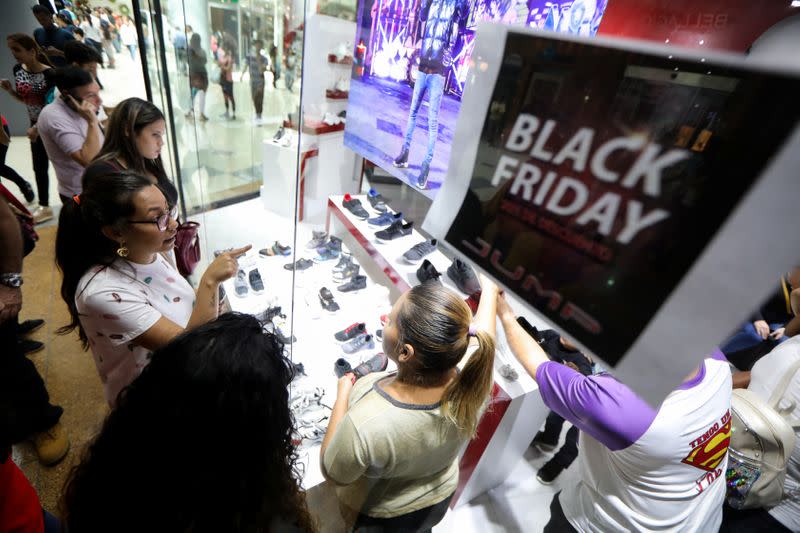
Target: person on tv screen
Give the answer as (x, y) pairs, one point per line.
(439, 23)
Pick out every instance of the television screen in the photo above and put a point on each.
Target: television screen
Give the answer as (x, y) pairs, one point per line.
(411, 60)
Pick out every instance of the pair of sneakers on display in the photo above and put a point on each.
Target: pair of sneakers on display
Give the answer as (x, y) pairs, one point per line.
(401, 161)
(346, 272)
(240, 283)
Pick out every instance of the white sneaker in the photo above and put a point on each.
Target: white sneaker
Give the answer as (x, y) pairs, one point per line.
(343, 85)
(42, 214)
(331, 120)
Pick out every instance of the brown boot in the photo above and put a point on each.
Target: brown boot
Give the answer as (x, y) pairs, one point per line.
(51, 445)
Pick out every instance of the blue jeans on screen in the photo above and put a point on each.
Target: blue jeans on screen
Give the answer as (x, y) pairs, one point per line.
(747, 337)
(434, 85)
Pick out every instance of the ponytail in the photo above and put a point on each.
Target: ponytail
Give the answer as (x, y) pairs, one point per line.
(80, 242)
(436, 322)
(465, 396)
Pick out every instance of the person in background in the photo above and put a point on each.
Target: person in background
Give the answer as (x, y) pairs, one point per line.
(180, 45)
(31, 87)
(291, 67)
(762, 380)
(222, 387)
(775, 321)
(276, 65)
(50, 37)
(640, 469)
(107, 33)
(78, 34)
(198, 78)
(8, 172)
(560, 350)
(70, 128)
(256, 66)
(65, 23)
(25, 409)
(124, 294)
(93, 37)
(134, 139)
(130, 38)
(391, 481)
(225, 63)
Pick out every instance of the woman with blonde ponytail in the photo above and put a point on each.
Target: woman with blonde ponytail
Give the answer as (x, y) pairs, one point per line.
(393, 438)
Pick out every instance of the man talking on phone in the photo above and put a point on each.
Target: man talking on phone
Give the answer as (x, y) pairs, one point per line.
(70, 128)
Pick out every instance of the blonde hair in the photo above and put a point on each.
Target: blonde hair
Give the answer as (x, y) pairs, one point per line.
(435, 321)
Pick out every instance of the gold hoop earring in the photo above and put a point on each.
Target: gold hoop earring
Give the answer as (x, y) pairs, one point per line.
(122, 251)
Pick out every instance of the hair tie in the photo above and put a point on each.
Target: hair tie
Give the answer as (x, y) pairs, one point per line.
(473, 330)
(77, 199)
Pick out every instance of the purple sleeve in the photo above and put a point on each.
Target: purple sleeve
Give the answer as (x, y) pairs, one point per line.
(598, 405)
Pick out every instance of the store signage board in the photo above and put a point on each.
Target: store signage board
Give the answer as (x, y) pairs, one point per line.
(642, 200)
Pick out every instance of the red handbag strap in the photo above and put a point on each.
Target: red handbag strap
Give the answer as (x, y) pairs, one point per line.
(10, 198)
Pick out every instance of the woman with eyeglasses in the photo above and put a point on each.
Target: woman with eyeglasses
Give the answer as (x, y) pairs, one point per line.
(134, 139)
(124, 295)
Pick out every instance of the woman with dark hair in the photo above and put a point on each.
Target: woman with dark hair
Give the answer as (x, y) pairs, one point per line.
(124, 294)
(392, 481)
(134, 138)
(201, 442)
(198, 78)
(31, 87)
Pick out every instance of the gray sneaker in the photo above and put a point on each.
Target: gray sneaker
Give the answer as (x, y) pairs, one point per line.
(240, 284)
(363, 341)
(318, 238)
(417, 252)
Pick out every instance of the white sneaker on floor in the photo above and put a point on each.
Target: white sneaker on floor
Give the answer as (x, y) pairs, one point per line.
(42, 214)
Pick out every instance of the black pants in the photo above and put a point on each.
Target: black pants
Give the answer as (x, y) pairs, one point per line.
(5, 170)
(749, 521)
(558, 522)
(41, 165)
(257, 92)
(227, 94)
(25, 406)
(552, 429)
(422, 520)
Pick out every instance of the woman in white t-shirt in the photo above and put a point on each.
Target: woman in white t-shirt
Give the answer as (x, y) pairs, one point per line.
(123, 293)
(393, 438)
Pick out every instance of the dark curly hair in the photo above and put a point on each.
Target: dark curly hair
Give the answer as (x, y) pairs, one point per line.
(201, 441)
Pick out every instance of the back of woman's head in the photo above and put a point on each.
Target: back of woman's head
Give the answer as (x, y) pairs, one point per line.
(126, 122)
(26, 42)
(68, 78)
(80, 242)
(194, 42)
(436, 321)
(200, 441)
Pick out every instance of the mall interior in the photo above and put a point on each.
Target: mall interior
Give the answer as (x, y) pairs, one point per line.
(453, 265)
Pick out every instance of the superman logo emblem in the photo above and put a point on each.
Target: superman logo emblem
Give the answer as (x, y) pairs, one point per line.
(710, 453)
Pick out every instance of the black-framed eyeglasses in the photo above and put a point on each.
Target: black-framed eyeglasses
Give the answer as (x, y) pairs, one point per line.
(162, 221)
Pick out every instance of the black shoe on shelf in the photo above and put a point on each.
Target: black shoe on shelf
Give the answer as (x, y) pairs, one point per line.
(395, 231)
(401, 161)
(325, 294)
(350, 331)
(348, 272)
(341, 367)
(376, 363)
(329, 305)
(28, 346)
(379, 334)
(356, 283)
(345, 259)
(427, 272)
(300, 264)
(549, 472)
(268, 314)
(354, 206)
(255, 281)
(240, 284)
(418, 252)
(334, 245)
(463, 276)
(29, 326)
(544, 444)
(280, 249)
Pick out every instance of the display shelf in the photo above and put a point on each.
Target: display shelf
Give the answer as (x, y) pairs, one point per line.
(336, 94)
(315, 127)
(347, 60)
